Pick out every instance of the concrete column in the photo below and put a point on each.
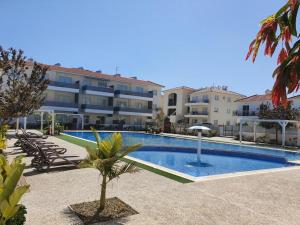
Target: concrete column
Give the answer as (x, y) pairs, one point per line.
(17, 125)
(241, 127)
(42, 121)
(53, 123)
(254, 131)
(82, 122)
(298, 134)
(25, 123)
(283, 126)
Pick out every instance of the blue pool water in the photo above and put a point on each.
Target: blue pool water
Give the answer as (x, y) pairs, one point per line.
(180, 154)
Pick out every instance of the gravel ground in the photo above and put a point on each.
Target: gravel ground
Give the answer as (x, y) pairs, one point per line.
(264, 199)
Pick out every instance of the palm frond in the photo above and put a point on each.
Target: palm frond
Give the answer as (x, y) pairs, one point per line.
(125, 151)
(124, 168)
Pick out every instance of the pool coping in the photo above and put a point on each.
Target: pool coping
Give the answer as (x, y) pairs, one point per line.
(203, 178)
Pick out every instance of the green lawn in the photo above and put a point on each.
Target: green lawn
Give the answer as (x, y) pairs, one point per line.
(143, 166)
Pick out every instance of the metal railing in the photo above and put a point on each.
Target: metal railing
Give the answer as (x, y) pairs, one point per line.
(61, 104)
(62, 84)
(130, 109)
(134, 93)
(97, 107)
(99, 89)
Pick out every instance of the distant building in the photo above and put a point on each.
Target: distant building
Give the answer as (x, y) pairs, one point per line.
(174, 100)
(102, 99)
(249, 106)
(215, 105)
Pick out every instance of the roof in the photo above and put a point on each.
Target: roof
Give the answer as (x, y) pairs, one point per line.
(181, 87)
(256, 98)
(100, 75)
(212, 89)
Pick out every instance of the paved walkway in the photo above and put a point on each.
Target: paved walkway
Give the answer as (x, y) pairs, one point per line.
(264, 199)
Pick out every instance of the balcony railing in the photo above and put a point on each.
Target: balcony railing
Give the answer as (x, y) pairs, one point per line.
(199, 101)
(99, 89)
(129, 109)
(134, 93)
(199, 113)
(245, 113)
(97, 107)
(65, 85)
(61, 104)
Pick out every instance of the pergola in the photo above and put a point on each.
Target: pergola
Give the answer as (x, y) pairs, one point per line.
(53, 114)
(282, 123)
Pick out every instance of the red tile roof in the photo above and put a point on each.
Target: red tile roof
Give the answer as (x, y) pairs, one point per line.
(99, 75)
(256, 98)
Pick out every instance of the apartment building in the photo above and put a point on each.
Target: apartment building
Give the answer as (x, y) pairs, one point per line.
(174, 100)
(101, 99)
(213, 105)
(249, 106)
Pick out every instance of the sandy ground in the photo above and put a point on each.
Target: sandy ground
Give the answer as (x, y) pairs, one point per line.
(264, 199)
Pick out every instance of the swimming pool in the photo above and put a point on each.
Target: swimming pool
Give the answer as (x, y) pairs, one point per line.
(179, 154)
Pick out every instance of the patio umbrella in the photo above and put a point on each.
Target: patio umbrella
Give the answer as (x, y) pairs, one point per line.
(200, 129)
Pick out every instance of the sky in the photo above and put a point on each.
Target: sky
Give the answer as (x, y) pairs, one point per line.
(194, 43)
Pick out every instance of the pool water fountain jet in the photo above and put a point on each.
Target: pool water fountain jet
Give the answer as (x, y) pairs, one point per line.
(199, 162)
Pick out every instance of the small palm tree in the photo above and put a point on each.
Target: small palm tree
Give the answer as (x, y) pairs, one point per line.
(106, 159)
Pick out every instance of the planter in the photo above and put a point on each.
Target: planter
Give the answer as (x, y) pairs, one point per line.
(114, 209)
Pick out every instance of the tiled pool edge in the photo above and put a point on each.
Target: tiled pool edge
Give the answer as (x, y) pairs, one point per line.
(191, 178)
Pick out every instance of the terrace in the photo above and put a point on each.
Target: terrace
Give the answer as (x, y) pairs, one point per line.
(192, 203)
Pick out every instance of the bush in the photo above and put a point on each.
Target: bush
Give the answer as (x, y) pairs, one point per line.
(19, 218)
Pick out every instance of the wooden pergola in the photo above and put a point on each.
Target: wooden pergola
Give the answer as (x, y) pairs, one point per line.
(282, 123)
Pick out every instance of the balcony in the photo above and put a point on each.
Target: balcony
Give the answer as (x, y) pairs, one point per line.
(65, 87)
(134, 95)
(102, 91)
(60, 106)
(245, 113)
(133, 111)
(203, 102)
(196, 114)
(87, 108)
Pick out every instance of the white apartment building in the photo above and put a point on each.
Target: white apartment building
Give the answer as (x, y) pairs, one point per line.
(100, 99)
(174, 100)
(249, 106)
(214, 105)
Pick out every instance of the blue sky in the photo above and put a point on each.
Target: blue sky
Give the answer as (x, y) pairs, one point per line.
(172, 42)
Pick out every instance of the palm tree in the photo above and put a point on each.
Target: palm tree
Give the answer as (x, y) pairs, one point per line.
(106, 159)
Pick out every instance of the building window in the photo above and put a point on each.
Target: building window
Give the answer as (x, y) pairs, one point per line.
(217, 97)
(65, 79)
(216, 122)
(139, 89)
(229, 99)
(122, 87)
(102, 83)
(195, 121)
(154, 92)
(86, 119)
(87, 82)
(216, 109)
(228, 123)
